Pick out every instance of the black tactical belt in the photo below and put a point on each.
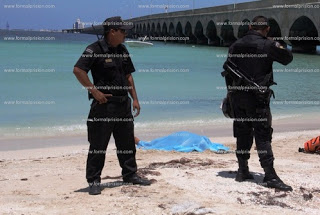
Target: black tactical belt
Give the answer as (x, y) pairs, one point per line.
(118, 99)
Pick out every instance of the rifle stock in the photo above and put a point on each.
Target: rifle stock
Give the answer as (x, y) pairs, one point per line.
(232, 68)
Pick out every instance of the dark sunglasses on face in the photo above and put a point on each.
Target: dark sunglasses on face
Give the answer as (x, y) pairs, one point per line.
(122, 30)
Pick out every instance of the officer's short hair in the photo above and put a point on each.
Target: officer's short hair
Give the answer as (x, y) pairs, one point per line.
(260, 23)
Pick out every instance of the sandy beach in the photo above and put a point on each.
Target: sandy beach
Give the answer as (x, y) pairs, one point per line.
(51, 180)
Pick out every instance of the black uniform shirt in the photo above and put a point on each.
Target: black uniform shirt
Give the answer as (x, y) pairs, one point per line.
(109, 67)
(255, 55)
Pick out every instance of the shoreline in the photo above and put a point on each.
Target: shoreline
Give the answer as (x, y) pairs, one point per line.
(80, 143)
(307, 120)
(221, 131)
(296, 123)
(77, 147)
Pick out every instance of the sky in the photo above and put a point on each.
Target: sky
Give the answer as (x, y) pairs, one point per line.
(61, 14)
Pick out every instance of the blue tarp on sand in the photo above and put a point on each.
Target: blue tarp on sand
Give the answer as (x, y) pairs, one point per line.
(183, 142)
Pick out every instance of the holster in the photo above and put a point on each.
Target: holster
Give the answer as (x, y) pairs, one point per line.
(227, 107)
(101, 86)
(264, 98)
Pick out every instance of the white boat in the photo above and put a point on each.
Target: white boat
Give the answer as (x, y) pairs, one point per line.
(138, 43)
(133, 43)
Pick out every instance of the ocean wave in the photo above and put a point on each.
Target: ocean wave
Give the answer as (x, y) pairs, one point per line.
(48, 131)
(288, 116)
(183, 123)
(81, 129)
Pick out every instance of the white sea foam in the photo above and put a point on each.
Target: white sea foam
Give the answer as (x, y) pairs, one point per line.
(81, 129)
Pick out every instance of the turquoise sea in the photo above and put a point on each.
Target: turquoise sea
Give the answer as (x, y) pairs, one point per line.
(177, 84)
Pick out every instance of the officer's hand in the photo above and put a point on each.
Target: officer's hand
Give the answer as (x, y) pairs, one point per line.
(136, 107)
(101, 97)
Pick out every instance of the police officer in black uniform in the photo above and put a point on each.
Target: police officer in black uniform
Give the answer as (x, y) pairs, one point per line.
(254, 54)
(110, 113)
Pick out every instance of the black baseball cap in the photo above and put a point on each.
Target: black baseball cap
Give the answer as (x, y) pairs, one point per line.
(260, 23)
(116, 23)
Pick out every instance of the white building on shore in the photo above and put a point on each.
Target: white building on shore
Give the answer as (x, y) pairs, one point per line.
(78, 24)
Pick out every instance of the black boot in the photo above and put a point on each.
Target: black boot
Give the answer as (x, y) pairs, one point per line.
(94, 188)
(243, 171)
(135, 179)
(272, 180)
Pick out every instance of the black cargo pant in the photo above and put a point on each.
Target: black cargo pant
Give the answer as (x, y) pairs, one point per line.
(253, 119)
(103, 120)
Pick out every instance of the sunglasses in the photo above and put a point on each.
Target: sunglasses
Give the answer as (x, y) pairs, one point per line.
(122, 30)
